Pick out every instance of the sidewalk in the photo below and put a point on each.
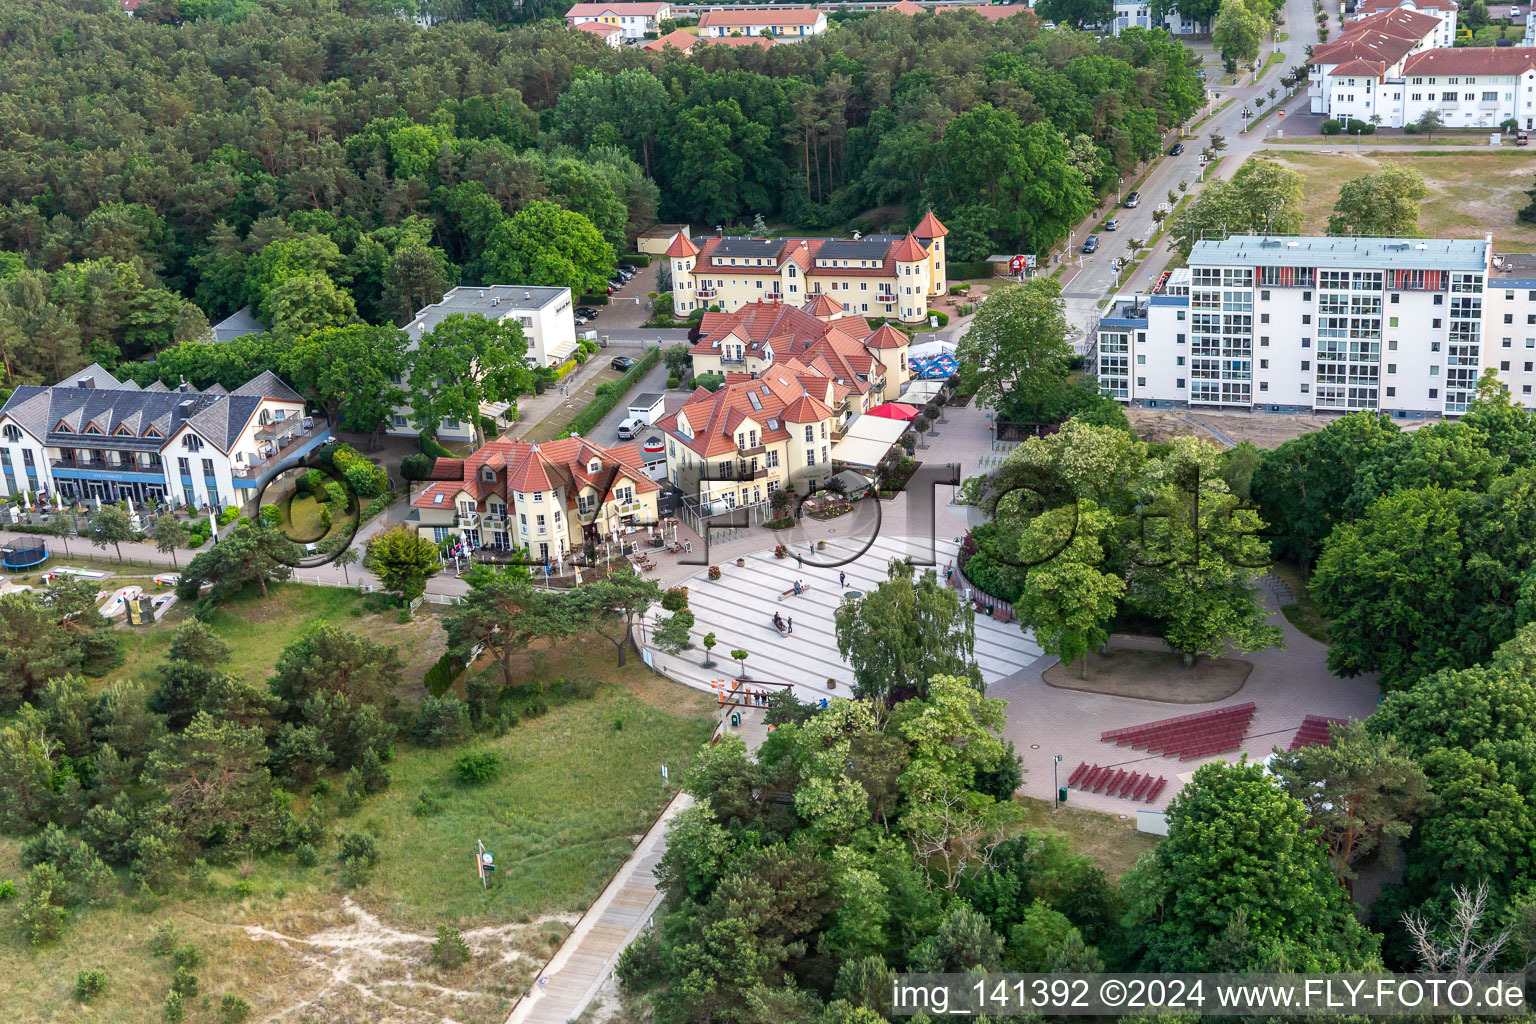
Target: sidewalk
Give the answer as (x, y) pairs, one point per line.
(584, 961)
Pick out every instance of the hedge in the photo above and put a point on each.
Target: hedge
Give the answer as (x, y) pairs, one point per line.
(638, 259)
(442, 674)
(592, 300)
(611, 394)
(961, 271)
(433, 449)
(565, 368)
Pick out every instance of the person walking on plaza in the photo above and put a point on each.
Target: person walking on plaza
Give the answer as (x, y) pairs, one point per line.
(791, 626)
(842, 579)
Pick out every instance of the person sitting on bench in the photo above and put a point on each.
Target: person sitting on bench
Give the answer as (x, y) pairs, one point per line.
(798, 587)
(778, 622)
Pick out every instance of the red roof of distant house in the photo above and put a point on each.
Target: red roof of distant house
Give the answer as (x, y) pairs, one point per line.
(1480, 60)
(908, 251)
(1387, 37)
(929, 227)
(681, 246)
(597, 28)
(743, 19)
(1361, 67)
(906, 7)
(684, 41)
(650, 8)
(823, 304)
(1366, 7)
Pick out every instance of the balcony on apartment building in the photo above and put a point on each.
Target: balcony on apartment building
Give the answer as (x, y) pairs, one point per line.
(750, 469)
(108, 463)
(748, 450)
(706, 293)
(281, 440)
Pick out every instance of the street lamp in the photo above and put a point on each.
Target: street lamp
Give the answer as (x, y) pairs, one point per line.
(1055, 783)
(1119, 188)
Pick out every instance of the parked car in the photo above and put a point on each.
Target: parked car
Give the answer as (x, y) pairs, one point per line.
(630, 427)
(1091, 245)
(621, 363)
(1113, 224)
(581, 321)
(1177, 150)
(586, 311)
(1133, 200)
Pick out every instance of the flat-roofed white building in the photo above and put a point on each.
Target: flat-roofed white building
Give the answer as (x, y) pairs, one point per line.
(546, 315)
(1293, 324)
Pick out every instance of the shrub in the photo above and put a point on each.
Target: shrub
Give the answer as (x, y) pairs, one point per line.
(442, 674)
(233, 1009)
(229, 515)
(7, 890)
(942, 317)
(184, 983)
(366, 479)
(1359, 127)
(672, 381)
(675, 599)
(431, 448)
(1330, 127)
(271, 515)
(477, 767)
(427, 805)
(709, 381)
(357, 846)
(89, 985)
(415, 466)
(163, 942)
(187, 956)
(175, 1009)
(441, 721)
(305, 856)
(334, 495)
(450, 950)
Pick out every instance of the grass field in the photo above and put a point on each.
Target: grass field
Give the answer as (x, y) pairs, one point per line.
(577, 787)
(1469, 193)
(1111, 843)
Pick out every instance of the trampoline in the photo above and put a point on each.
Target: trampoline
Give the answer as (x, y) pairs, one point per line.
(25, 558)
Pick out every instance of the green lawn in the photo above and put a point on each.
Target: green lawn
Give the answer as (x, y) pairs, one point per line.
(1470, 193)
(1111, 843)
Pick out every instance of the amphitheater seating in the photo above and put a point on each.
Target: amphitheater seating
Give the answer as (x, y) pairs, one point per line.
(1313, 731)
(1115, 782)
(1189, 736)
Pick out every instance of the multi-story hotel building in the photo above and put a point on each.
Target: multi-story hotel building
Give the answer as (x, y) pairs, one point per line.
(546, 499)
(1311, 324)
(890, 276)
(94, 436)
(633, 19)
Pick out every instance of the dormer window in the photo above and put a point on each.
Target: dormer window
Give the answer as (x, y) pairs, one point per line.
(487, 474)
(192, 443)
(62, 427)
(595, 466)
(92, 428)
(12, 433)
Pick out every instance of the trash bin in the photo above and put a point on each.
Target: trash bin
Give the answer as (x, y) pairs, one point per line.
(1061, 794)
(735, 719)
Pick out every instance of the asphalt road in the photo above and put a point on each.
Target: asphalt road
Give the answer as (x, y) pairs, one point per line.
(1096, 280)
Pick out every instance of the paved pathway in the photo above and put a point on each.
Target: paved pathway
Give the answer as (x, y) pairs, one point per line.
(589, 954)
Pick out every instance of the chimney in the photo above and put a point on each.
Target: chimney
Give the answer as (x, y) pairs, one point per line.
(527, 297)
(182, 387)
(182, 412)
(86, 382)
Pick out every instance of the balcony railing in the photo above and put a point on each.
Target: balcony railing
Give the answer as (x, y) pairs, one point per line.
(471, 521)
(746, 470)
(279, 448)
(493, 522)
(707, 293)
(103, 465)
(751, 449)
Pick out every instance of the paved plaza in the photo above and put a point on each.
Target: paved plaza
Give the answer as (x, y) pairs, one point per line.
(738, 608)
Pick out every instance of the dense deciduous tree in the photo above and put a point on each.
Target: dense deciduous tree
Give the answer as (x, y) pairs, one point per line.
(905, 631)
(464, 361)
(1016, 353)
(1385, 203)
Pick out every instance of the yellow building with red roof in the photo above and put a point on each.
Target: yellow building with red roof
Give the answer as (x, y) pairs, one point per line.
(546, 499)
(888, 276)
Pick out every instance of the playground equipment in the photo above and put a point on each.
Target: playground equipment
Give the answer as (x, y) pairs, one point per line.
(25, 558)
(117, 604)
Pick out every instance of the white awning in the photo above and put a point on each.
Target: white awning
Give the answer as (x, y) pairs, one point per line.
(867, 440)
(919, 392)
(931, 348)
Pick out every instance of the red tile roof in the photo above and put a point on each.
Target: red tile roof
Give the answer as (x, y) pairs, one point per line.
(1387, 37)
(540, 467)
(1361, 67)
(597, 28)
(989, 12)
(681, 246)
(806, 409)
(764, 400)
(1473, 60)
(822, 304)
(744, 19)
(739, 41)
(886, 336)
(649, 9)
(929, 227)
(905, 7)
(908, 251)
(1377, 6)
(684, 41)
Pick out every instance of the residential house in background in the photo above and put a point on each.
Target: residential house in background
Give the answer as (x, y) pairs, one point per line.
(547, 499)
(785, 24)
(888, 276)
(633, 19)
(1392, 67)
(546, 315)
(1139, 14)
(684, 41)
(610, 34)
(1445, 10)
(94, 436)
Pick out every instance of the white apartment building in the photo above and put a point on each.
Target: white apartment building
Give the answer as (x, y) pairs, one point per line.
(1394, 66)
(633, 19)
(93, 436)
(1445, 10)
(1138, 14)
(1309, 324)
(546, 315)
(785, 24)
(1509, 325)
